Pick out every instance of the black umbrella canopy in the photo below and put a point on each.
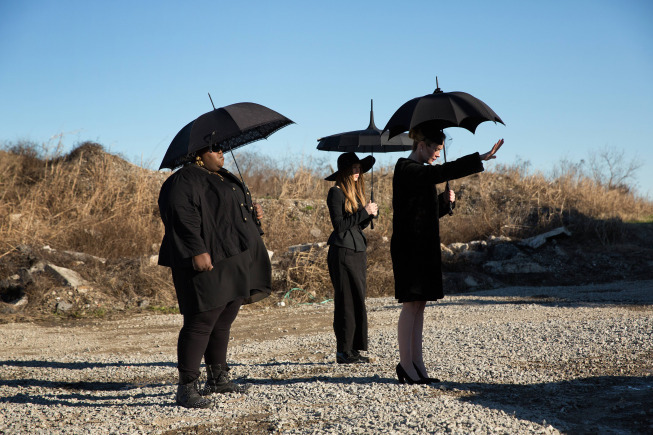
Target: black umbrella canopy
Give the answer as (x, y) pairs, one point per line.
(227, 128)
(441, 110)
(370, 140)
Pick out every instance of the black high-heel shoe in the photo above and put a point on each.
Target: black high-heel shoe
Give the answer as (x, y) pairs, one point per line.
(404, 378)
(425, 379)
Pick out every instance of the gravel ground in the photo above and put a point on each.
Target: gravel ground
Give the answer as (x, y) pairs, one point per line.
(512, 360)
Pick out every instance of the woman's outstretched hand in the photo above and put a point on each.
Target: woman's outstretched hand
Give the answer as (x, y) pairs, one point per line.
(491, 154)
(371, 208)
(202, 262)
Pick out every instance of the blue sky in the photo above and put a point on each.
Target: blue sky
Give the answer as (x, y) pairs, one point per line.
(569, 78)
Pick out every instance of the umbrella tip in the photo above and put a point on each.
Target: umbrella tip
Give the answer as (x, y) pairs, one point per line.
(437, 86)
(211, 100)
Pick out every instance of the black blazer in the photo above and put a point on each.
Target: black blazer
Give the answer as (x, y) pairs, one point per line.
(347, 227)
(200, 213)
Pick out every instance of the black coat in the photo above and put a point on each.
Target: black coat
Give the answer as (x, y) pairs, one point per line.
(417, 207)
(204, 212)
(347, 227)
(200, 214)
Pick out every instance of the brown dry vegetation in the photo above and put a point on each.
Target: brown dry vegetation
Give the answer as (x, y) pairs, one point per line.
(97, 203)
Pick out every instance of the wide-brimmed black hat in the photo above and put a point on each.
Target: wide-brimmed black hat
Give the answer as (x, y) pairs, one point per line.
(347, 160)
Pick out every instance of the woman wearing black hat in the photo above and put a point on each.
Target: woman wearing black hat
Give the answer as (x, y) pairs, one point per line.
(415, 244)
(213, 245)
(347, 259)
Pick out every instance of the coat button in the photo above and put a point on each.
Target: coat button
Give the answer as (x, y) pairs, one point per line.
(245, 219)
(233, 188)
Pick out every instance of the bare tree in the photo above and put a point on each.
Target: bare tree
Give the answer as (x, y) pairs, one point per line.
(610, 167)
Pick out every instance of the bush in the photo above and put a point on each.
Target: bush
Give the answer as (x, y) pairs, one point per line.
(97, 203)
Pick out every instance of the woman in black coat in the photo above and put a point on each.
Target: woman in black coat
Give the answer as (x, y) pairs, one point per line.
(347, 258)
(213, 245)
(415, 244)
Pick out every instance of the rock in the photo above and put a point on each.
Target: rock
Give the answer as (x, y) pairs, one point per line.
(474, 252)
(153, 260)
(516, 265)
(305, 247)
(143, 303)
(503, 251)
(22, 301)
(316, 232)
(279, 275)
(69, 277)
(36, 268)
(447, 254)
(471, 282)
(77, 255)
(85, 257)
(498, 239)
(539, 240)
(63, 306)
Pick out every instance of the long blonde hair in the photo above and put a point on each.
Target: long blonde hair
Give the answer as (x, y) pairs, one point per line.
(354, 190)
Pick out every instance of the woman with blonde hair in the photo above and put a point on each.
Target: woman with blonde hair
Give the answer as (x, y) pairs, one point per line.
(347, 257)
(415, 244)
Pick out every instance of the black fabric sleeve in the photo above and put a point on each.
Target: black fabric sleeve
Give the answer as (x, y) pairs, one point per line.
(186, 220)
(434, 174)
(340, 221)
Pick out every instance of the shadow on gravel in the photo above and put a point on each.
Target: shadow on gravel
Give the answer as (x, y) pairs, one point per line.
(620, 404)
(543, 300)
(81, 394)
(344, 380)
(82, 365)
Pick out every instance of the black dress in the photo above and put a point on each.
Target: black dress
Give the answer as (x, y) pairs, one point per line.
(417, 207)
(202, 212)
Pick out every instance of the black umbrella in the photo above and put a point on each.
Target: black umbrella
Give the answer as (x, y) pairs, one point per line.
(441, 110)
(371, 140)
(226, 128)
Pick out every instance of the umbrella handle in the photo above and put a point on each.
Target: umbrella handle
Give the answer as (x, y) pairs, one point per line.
(446, 188)
(372, 199)
(372, 195)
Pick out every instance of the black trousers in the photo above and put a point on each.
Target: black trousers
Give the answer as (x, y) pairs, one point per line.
(205, 334)
(348, 271)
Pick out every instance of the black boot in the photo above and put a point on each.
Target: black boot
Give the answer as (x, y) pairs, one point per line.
(217, 381)
(361, 358)
(347, 357)
(188, 396)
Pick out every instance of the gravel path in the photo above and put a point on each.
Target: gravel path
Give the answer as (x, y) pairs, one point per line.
(513, 360)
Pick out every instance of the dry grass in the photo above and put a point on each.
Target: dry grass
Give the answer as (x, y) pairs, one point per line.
(97, 203)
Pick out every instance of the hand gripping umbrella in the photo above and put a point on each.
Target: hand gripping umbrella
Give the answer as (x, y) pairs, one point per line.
(441, 110)
(370, 140)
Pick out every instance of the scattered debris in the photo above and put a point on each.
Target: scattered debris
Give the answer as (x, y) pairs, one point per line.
(69, 278)
(539, 240)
